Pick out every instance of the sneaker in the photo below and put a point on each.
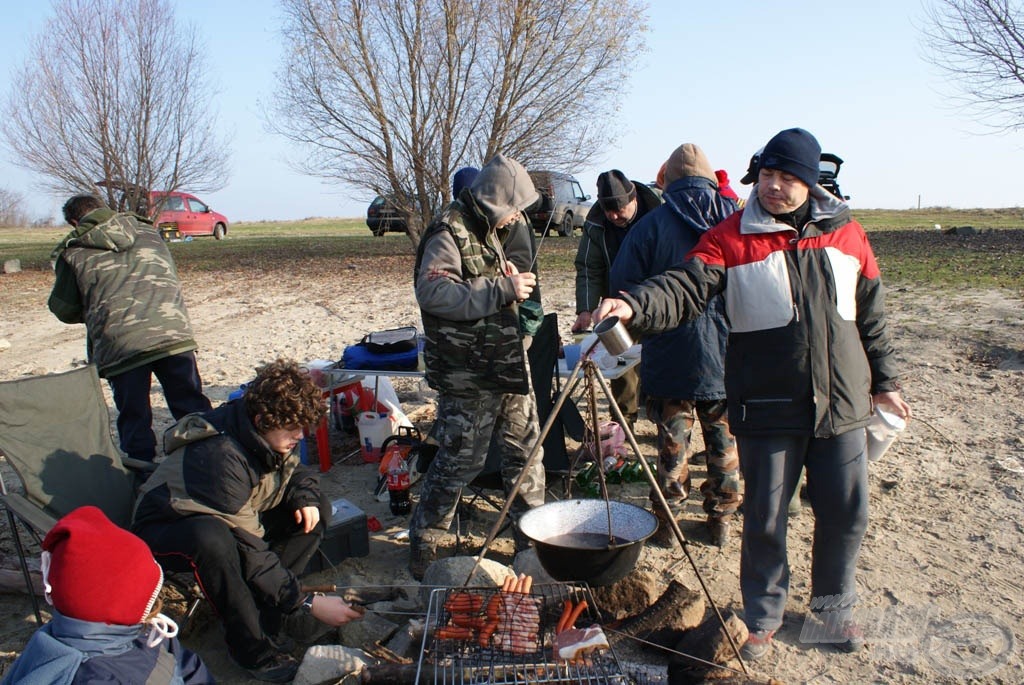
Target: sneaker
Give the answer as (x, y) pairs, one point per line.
(283, 642)
(757, 645)
(854, 641)
(279, 668)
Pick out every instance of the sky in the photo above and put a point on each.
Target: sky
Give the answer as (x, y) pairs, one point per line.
(726, 76)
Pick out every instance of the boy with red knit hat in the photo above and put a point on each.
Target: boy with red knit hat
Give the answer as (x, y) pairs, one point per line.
(103, 584)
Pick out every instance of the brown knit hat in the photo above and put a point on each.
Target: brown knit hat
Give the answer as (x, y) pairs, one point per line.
(688, 160)
(614, 190)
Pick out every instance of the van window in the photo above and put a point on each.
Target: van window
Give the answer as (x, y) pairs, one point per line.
(197, 206)
(173, 203)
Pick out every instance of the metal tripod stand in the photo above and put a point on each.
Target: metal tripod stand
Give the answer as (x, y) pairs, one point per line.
(592, 374)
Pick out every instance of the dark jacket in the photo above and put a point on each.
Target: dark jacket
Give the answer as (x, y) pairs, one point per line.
(115, 274)
(219, 465)
(594, 255)
(68, 651)
(808, 342)
(686, 362)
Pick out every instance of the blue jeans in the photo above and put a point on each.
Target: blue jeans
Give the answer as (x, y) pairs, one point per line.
(837, 485)
(183, 390)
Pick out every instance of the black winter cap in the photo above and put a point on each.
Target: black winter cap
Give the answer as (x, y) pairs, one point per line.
(794, 151)
(614, 190)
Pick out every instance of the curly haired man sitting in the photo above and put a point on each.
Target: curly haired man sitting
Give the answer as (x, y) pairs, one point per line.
(233, 505)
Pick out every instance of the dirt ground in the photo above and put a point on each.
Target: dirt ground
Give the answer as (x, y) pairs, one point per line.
(940, 572)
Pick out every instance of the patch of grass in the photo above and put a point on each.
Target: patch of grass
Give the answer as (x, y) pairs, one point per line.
(909, 249)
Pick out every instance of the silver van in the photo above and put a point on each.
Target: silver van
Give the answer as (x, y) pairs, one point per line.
(563, 205)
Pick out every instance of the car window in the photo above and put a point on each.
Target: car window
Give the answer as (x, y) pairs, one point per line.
(196, 206)
(173, 204)
(577, 190)
(378, 201)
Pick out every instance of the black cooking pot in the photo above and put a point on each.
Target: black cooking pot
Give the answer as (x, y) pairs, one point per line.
(573, 541)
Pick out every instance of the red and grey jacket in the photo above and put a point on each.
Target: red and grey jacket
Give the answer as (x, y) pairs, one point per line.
(808, 343)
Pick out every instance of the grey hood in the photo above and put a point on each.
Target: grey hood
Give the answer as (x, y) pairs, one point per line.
(501, 188)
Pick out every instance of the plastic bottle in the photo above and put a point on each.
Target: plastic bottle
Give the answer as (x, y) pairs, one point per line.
(398, 485)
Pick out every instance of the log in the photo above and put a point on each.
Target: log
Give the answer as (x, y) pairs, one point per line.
(12, 581)
(708, 643)
(677, 610)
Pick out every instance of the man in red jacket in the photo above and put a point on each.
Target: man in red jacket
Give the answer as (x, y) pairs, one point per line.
(809, 356)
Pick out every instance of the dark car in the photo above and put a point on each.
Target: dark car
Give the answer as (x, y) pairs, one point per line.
(383, 215)
(828, 173)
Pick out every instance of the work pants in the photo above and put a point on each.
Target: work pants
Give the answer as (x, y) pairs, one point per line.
(183, 390)
(837, 486)
(205, 546)
(467, 430)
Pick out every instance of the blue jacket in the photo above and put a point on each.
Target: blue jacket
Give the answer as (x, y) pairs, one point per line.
(67, 651)
(687, 362)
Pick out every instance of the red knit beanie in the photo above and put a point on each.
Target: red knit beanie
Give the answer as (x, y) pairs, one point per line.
(95, 571)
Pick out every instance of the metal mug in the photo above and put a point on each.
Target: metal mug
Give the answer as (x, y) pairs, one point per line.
(613, 335)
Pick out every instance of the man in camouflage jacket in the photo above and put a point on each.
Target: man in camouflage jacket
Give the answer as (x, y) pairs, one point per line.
(468, 291)
(115, 274)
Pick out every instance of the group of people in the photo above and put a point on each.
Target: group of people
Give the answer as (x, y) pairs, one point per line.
(767, 326)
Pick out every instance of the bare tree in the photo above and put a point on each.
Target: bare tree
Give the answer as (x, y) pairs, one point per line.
(12, 208)
(114, 98)
(979, 44)
(395, 95)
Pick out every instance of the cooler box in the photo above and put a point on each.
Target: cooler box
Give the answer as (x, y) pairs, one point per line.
(346, 536)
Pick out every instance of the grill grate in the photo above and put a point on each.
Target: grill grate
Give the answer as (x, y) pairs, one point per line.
(520, 650)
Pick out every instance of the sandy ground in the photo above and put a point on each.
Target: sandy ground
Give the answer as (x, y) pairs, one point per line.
(940, 572)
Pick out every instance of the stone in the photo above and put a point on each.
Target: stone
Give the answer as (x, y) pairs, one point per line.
(329, 663)
(366, 632)
(451, 572)
(5, 344)
(12, 266)
(407, 640)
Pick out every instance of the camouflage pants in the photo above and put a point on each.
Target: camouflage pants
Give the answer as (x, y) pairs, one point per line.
(675, 419)
(467, 430)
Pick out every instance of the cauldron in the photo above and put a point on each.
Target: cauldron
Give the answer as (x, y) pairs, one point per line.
(573, 541)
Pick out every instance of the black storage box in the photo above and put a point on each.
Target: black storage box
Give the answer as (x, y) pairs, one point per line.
(346, 536)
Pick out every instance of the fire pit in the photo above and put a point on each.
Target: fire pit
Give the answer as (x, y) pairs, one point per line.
(448, 661)
(574, 543)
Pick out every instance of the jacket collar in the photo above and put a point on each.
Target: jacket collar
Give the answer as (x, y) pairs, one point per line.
(827, 214)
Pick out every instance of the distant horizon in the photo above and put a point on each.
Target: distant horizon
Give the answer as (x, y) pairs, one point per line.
(884, 110)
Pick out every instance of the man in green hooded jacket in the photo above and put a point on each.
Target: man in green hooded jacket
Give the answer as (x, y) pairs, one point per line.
(115, 274)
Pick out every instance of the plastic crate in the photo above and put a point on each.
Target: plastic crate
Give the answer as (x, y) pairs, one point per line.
(346, 536)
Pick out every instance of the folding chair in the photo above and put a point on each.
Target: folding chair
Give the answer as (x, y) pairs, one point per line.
(55, 434)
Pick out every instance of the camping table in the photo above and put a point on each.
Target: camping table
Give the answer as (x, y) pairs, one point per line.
(338, 380)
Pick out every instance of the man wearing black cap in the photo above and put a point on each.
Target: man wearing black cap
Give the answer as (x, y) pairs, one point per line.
(620, 204)
(809, 356)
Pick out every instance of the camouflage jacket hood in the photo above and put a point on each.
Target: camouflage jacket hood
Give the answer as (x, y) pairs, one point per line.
(102, 229)
(115, 274)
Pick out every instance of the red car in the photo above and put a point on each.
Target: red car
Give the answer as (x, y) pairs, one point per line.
(186, 214)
